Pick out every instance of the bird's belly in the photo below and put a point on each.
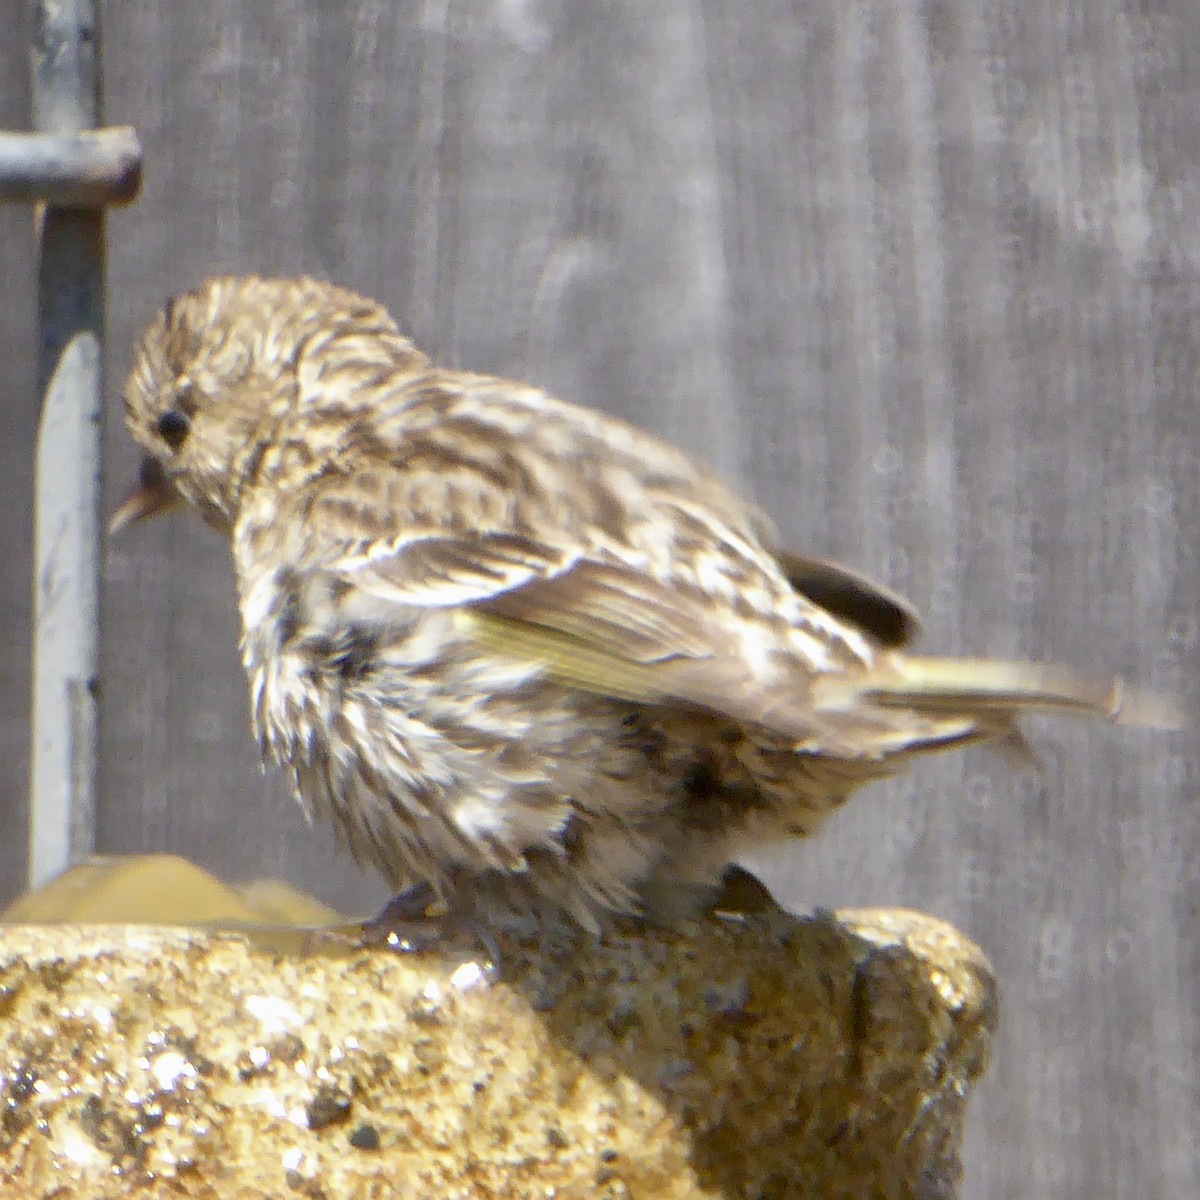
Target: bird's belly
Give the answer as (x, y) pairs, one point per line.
(431, 765)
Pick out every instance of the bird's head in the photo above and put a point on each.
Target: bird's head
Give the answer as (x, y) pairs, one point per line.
(221, 371)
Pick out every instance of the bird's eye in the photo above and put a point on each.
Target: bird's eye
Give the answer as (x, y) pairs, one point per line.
(173, 427)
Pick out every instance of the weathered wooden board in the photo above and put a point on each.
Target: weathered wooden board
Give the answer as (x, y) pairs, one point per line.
(923, 276)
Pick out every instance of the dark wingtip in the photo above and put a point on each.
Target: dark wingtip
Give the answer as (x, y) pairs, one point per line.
(884, 616)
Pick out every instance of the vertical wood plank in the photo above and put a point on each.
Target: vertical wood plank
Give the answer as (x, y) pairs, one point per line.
(920, 274)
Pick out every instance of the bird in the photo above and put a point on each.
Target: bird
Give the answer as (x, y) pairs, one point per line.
(520, 653)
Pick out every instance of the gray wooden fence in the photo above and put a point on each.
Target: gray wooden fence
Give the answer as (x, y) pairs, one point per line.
(925, 277)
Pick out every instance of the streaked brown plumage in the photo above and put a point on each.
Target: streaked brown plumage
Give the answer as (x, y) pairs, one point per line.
(494, 636)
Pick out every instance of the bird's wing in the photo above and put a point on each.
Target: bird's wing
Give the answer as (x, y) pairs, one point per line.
(884, 616)
(559, 539)
(667, 600)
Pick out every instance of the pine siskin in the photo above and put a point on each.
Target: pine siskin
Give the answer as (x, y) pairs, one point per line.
(516, 648)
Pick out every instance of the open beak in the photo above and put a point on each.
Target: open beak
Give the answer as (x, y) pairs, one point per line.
(153, 495)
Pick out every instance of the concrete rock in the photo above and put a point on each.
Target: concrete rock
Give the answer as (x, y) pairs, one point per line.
(761, 1056)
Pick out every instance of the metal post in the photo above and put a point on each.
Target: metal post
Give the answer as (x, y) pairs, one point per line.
(65, 72)
(82, 170)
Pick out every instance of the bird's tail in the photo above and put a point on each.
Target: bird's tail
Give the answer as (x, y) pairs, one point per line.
(988, 685)
(912, 703)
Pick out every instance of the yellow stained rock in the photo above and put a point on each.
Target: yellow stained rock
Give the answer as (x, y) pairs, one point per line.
(163, 889)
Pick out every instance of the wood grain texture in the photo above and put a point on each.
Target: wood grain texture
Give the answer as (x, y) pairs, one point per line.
(923, 276)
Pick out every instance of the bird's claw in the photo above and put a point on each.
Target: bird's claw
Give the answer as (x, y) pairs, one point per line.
(406, 924)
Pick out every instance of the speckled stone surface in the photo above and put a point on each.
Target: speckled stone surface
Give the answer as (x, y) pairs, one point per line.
(753, 1057)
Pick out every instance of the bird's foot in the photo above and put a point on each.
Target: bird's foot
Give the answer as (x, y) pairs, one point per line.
(417, 920)
(736, 897)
